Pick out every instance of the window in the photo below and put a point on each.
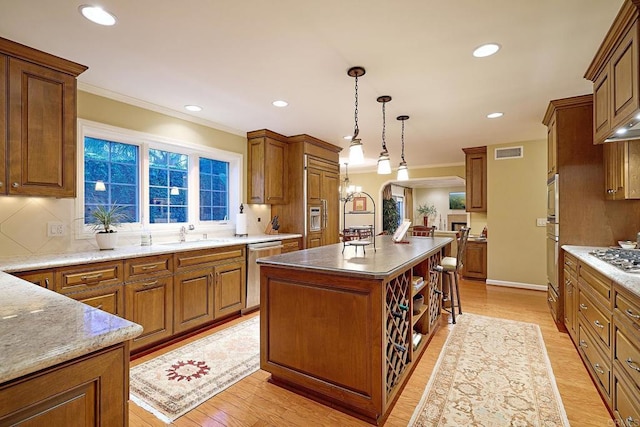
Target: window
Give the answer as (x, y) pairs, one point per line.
(159, 181)
(168, 186)
(214, 194)
(111, 176)
(400, 207)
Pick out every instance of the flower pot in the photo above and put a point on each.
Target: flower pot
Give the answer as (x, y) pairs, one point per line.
(106, 241)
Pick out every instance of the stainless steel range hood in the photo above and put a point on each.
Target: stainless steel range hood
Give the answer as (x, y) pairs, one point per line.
(626, 133)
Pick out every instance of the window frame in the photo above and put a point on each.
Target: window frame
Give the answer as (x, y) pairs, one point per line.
(145, 141)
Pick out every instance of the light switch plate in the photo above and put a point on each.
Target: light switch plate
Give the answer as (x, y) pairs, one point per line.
(541, 222)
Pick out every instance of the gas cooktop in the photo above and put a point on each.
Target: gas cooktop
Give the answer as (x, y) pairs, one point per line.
(625, 259)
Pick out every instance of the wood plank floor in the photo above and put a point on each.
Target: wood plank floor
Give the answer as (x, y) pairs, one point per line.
(255, 402)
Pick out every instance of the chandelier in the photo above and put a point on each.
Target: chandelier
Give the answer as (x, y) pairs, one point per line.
(347, 190)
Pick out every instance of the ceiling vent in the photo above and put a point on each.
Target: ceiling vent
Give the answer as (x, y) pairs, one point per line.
(509, 153)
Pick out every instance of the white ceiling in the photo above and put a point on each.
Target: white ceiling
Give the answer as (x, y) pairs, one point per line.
(235, 57)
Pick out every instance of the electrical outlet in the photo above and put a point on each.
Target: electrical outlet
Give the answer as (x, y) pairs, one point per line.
(55, 229)
(541, 222)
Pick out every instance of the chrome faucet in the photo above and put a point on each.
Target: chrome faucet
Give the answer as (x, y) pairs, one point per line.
(183, 233)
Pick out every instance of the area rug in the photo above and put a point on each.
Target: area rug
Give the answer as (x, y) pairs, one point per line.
(491, 372)
(176, 382)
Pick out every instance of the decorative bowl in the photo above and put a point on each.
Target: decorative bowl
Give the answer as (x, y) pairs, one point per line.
(627, 244)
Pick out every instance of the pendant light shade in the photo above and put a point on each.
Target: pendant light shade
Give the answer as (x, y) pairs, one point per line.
(384, 162)
(403, 170)
(356, 152)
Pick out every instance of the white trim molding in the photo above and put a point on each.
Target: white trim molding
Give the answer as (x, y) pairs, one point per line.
(518, 285)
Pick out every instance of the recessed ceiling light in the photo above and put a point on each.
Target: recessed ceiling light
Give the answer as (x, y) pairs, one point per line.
(494, 115)
(193, 107)
(486, 50)
(280, 103)
(97, 14)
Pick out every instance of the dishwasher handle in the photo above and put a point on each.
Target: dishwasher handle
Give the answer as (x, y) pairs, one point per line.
(265, 248)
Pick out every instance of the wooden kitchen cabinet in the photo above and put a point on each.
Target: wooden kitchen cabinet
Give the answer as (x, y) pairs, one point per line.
(476, 179)
(193, 299)
(614, 73)
(149, 297)
(570, 294)
(230, 288)
(38, 97)
(552, 149)
(290, 245)
(621, 161)
(475, 260)
(149, 303)
(313, 180)
(323, 181)
(44, 278)
(89, 391)
(267, 166)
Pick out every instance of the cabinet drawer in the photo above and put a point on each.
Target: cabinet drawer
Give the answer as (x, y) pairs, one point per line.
(625, 407)
(44, 278)
(82, 277)
(596, 283)
(628, 310)
(290, 246)
(141, 268)
(627, 353)
(207, 256)
(109, 299)
(598, 323)
(598, 364)
(570, 263)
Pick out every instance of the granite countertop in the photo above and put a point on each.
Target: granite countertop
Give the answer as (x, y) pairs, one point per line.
(388, 258)
(40, 328)
(629, 281)
(38, 262)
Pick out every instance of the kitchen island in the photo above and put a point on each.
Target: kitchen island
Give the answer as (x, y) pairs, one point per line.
(341, 328)
(61, 361)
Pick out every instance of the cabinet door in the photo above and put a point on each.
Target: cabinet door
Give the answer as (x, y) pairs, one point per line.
(230, 288)
(91, 391)
(109, 299)
(40, 278)
(612, 170)
(476, 179)
(3, 119)
(552, 149)
(601, 107)
(569, 304)
(42, 131)
(193, 299)
(475, 261)
(267, 169)
(624, 79)
(331, 200)
(150, 303)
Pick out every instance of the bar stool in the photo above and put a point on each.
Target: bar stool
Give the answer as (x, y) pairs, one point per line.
(452, 267)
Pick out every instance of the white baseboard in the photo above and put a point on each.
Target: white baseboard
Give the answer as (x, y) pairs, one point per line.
(519, 285)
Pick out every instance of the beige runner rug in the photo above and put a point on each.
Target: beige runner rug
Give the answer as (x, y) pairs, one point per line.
(491, 372)
(171, 385)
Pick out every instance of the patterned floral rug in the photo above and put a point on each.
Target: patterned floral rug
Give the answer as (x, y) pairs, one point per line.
(491, 372)
(171, 385)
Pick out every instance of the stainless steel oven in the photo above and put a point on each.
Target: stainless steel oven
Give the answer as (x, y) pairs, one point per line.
(553, 232)
(552, 199)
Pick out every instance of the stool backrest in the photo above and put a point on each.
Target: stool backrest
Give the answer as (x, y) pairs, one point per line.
(423, 231)
(348, 235)
(463, 236)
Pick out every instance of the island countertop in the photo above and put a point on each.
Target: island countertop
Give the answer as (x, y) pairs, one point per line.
(40, 328)
(385, 261)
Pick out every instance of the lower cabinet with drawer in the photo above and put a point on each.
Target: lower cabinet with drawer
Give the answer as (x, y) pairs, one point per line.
(570, 294)
(44, 278)
(149, 298)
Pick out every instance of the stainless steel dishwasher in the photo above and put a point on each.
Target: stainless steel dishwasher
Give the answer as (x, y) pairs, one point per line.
(258, 250)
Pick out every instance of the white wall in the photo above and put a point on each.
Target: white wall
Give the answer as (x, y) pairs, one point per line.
(438, 197)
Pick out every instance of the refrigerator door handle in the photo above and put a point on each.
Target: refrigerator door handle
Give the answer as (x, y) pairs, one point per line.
(324, 213)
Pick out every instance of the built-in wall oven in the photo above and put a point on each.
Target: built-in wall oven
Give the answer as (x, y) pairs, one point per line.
(553, 232)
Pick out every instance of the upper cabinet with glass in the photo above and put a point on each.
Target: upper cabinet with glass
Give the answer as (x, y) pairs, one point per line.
(615, 75)
(38, 107)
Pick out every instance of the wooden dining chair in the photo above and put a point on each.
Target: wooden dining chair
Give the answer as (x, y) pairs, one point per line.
(423, 231)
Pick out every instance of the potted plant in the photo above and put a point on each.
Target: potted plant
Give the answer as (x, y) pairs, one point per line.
(103, 219)
(427, 212)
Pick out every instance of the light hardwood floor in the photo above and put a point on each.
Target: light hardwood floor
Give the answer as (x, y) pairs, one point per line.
(255, 402)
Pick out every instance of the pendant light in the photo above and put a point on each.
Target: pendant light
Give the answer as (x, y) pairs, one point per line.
(403, 171)
(384, 163)
(356, 154)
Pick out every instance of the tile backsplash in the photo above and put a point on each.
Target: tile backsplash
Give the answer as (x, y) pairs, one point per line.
(23, 227)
